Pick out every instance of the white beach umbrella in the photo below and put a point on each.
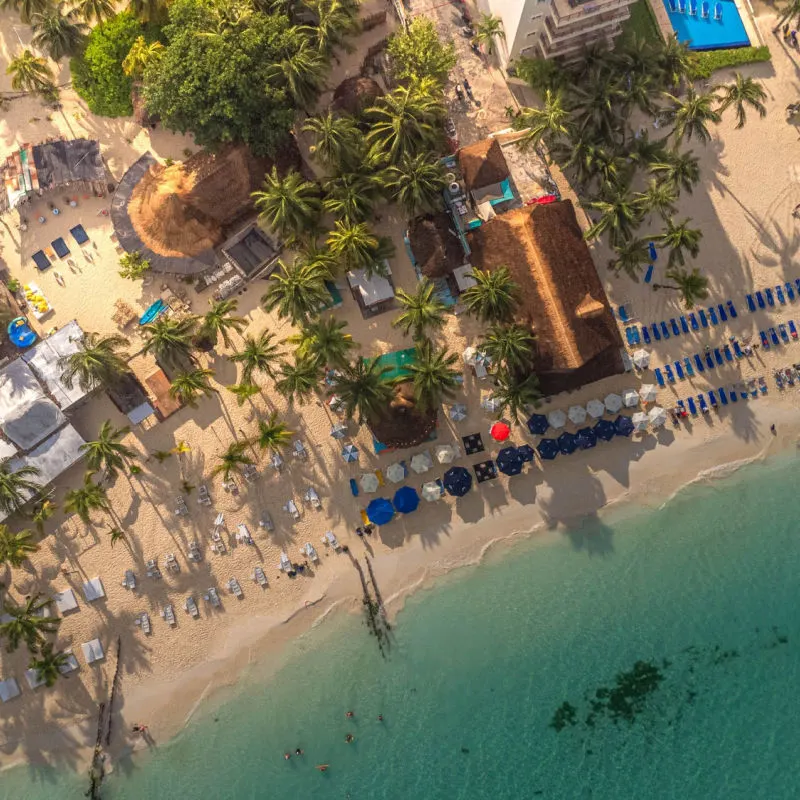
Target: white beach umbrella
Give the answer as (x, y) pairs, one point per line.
(339, 430)
(445, 453)
(577, 414)
(640, 421)
(421, 462)
(471, 356)
(641, 358)
(630, 398)
(657, 416)
(613, 402)
(648, 393)
(490, 404)
(431, 491)
(596, 409)
(557, 419)
(369, 482)
(458, 412)
(396, 473)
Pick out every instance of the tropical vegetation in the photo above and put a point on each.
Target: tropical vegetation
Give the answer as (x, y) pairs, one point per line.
(99, 361)
(15, 547)
(26, 623)
(17, 487)
(107, 452)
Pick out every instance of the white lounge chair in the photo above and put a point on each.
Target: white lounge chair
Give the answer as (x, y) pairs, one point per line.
(168, 612)
(230, 486)
(266, 521)
(191, 606)
(235, 589)
(144, 622)
(130, 580)
(250, 473)
(286, 564)
(93, 589)
(195, 553)
(217, 544)
(65, 601)
(277, 461)
(181, 509)
(313, 498)
(171, 563)
(219, 520)
(299, 450)
(203, 497)
(212, 597)
(332, 540)
(309, 550)
(243, 534)
(152, 569)
(259, 577)
(291, 509)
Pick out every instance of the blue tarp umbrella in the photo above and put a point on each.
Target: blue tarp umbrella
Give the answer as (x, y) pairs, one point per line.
(380, 511)
(525, 452)
(567, 443)
(350, 452)
(604, 430)
(538, 424)
(509, 461)
(623, 425)
(586, 439)
(548, 449)
(406, 500)
(457, 481)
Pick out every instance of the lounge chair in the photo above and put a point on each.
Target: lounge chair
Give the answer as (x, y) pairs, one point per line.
(664, 330)
(705, 9)
(629, 337)
(354, 487)
(718, 12)
(692, 407)
(152, 569)
(625, 313)
(789, 291)
(726, 351)
(751, 385)
(309, 550)
(265, 521)
(243, 534)
(764, 340)
(171, 563)
(260, 577)
(734, 394)
(703, 318)
(760, 300)
(659, 377)
(235, 589)
(792, 329)
(779, 295)
(250, 472)
(779, 379)
(673, 6)
(60, 246)
(695, 326)
(331, 539)
(286, 564)
(648, 276)
(181, 509)
(679, 370)
(737, 350)
(784, 333)
(692, 8)
(168, 612)
(41, 260)
(762, 384)
(646, 335)
(79, 234)
(129, 581)
(712, 315)
(277, 462)
(217, 544)
(703, 405)
(712, 398)
(191, 607)
(770, 298)
(709, 361)
(718, 357)
(654, 330)
(676, 331)
(687, 363)
(668, 373)
(312, 497)
(230, 486)
(723, 396)
(682, 6)
(797, 285)
(698, 362)
(212, 597)
(291, 509)
(773, 336)
(195, 554)
(723, 315)
(299, 450)
(203, 497)
(684, 324)
(750, 302)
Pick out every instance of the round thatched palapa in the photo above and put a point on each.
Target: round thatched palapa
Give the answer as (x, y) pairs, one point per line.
(435, 244)
(353, 95)
(403, 424)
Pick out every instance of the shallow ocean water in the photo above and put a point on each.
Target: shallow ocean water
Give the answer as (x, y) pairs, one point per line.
(706, 587)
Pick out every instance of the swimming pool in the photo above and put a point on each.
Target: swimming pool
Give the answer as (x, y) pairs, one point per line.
(697, 26)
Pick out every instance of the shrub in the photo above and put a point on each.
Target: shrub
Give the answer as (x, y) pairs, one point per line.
(133, 265)
(420, 53)
(703, 64)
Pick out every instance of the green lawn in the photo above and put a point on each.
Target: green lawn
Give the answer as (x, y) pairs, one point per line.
(641, 24)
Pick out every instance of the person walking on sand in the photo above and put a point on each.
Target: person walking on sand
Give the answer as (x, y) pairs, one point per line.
(796, 212)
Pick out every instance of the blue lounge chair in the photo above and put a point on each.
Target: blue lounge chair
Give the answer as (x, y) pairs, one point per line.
(354, 487)
(682, 6)
(692, 406)
(723, 396)
(679, 371)
(656, 334)
(629, 336)
(79, 234)
(659, 377)
(672, 7)
(709, 361)
(648, 276)
(646, 334)
(712, 398)
(792, 329)
(750, 304)
(703, 318)
(681, 407)
(721, 311)
(41, 260)
(737, 349)
(779, 295)
(797, 284)
(636, 336)
(770, 298)
(60, 246)
(789, 291)
(732, 310)
(762, 385)
(668, 373)
(692, 8)
(784, 333)
(764, 340)
(727, 352)
(684, 324)
(702, 401)
(687, 363)
(773, 336)
(760, 300)
(676, 331)
(712, 315)
(664, 330)
(718, 357)
(698, 362)
(693, 321)
(624, 315)
(734, 395)
(718, 12)
(705, 9)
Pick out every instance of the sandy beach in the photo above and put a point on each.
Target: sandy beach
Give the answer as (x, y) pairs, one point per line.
(744, 206)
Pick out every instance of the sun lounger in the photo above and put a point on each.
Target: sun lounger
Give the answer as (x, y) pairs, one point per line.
(718, 357)
(309, 550)
(79, 234)
(648, 276)
(130, 580)
(797, 285)
(692, 407)
(698, 362)
(764, 340)
(687, 363)
(299, 450)
(695, 326)
(732, 310)
(723, 315)
(629, 336)
(679, 371)
(705, 9)
(276, 461)
(703, 318)
(770, 298)
(217, 543)
(681, 408)
(792, 329)
(752, 388)
(692, 8)
(712, 315)
(354, 487)
(312, 497)
(779, 379)
(181, 509)
(674, 326)
(760, 300)
(682, 6)
(659, 377)
(703, 405)
(230, 486)
(203, 497)
(646, 335)
(712, 398)
(235, 589)
(212, 597)
(668, 373)
(143, 621)
(168, 612)
(171, 563)
(737, 350)
(60, 246)
(291, 509)
(191, 607)
(41, 260)
(784, 333)
(709, 361)
(286, 564)
(726, 351)
(266, 522)
(243, 534)
(789, 291)
(750, 302)
(734, 394)
(260, 577)
(655, 332)
(195, 554)
(779, 295)
(625, 313)
(152, 569)
(774, 336)
(723, 396)
(673, 6)
(331, 539)
(664, 330)
(762, 384)
(684, 324)
(250, 472)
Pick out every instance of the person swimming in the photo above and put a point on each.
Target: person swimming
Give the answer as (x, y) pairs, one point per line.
(349, 714)
(380, 717)
(298, 752)
(322, 767)
(348, 738)
(287, 756)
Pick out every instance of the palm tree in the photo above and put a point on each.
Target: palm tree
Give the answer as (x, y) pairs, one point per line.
(140, 55)
(116, 535)
(41, 513)
(487, 29)
(232, 461)
(433, 376)
(146, 10)
(679, 238)
(363, 389)
(742, 92)
(90, 497)
(48, 664)
(30, 73)
(335, 21)
(423, 312)
(57, 31)
(693, 115)
(99, 361)
(297, 292)
(630, 257)
(338, 143)
(16, 488)
(272, 433)
(95, 10)
(299, 380)
(619, 215)
(15, 547)
(595, 107)
(219, 321)
(509, 346)
(288, 205)
(107, 451)
(169, 339)
(259, 355)
(302, 73)
(27, 623)
(514, 393)
(645, 151)
(675, 62)
(494, 296)
(660, 197)
(548, 124)
(416, 183)
(243, 392)
(692, 285)
(26, 8)
(682, 170)
(324, 342)
(350, 197)
(187, 386)
(356, 247)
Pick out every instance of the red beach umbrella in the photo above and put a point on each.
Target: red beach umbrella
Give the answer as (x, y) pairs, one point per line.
(500, 431)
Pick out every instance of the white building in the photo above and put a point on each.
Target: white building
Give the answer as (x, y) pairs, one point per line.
(556, 28)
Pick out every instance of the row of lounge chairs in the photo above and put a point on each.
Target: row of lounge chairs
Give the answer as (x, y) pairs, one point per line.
(722, 396)
(684, 324)
(766, 298)
(709, 360)
(785, 335)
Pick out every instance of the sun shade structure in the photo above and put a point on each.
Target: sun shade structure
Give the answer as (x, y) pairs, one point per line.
(65, 601)
(567, 443)
(473, 444)
(406, 500)
(9, 689)
(657, 416)
(577, 414)
(350, 453)
(509, 461)
(485, 471)
(595, 409)
(526, 452)
(630, 398)
(500, 431)
(586, 439)
(457, 481)
(93, 651)
(648, 393)
(446, 454)
(434, 241)
(623, 425)
(604, 430)
(396, 473)
(557, 419)
(490, 404)
(93, 590)
(642, 359)
(432, 491)
(380, 511)
(339, 430)
(613, 402)
(548, 449)
(369, 482)
(640, 421)
(537, 424)
(421, 462)
(458, 412)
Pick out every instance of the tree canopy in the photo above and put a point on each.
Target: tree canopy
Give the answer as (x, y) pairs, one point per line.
(419, 53)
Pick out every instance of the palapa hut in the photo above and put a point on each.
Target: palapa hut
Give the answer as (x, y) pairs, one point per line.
(562, 297)
(435, 245)
(403, 424)
(353, 95)
(485, 170)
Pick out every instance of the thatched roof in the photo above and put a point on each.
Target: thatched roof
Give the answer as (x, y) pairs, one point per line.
(403, 425)
(436, 247)
(353, 95)
(483, 164)
(562, 297)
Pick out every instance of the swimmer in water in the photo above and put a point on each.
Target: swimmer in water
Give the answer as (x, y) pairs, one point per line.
(287, 756)
(349, 714)
(322, 767)
(380, 717)
(348, 738)
(298, 752)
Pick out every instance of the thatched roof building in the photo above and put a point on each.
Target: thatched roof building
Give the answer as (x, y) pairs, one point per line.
(483, 166)
(403, 424)
(353, 95)
(563, 299)
(435, 244)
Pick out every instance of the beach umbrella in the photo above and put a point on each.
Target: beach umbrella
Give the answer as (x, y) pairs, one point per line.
(446, 454)
(613, 402)
(458, 412)
(595, 409)
(396, 472)
(604, 430)
(641, 358)
(380, 511)
(623, 425)
(431, 491)
(457, 481)
(648, 393)
(490, 404)
(335, 403)
(406, 500)
(577, 414)
(509, 461)
(586, 438)
(350, 452)
(421, 462)
(525, 452)
(630, 398)
(640, 421)
(547, 449)
(471, 356)
(339, 430)
(500, 431)
(557, 419)
(567, 444)
(657, 416)
(369, 482)
(538, 424)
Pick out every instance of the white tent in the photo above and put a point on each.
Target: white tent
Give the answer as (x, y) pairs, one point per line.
(630, 398)
(613, 402)
(421, 462)
(641, 358)
(431, 491)
(648, 393)
(557, 419)
(640, 421)
(577, 414)
(595, 408)
(446, 453)
(657, 416)
(396, 472)
(369, 482)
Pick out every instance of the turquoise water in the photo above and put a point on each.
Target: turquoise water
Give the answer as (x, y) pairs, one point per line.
(706, 587)
(696, 23)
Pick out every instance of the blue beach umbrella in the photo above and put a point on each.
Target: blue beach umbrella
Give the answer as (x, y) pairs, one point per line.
(586, 439)
(406, 500)
(350, 452)
(457, 481)
(604, 430)
(567, 443)
(538, 424)
(623, 425)
(509, 461)
(548, 449)
(525, 452)
(380, 511)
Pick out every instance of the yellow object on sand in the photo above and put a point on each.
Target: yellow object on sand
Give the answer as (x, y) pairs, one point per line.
(364, 517)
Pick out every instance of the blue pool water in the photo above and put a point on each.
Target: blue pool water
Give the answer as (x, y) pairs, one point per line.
(707, 33)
